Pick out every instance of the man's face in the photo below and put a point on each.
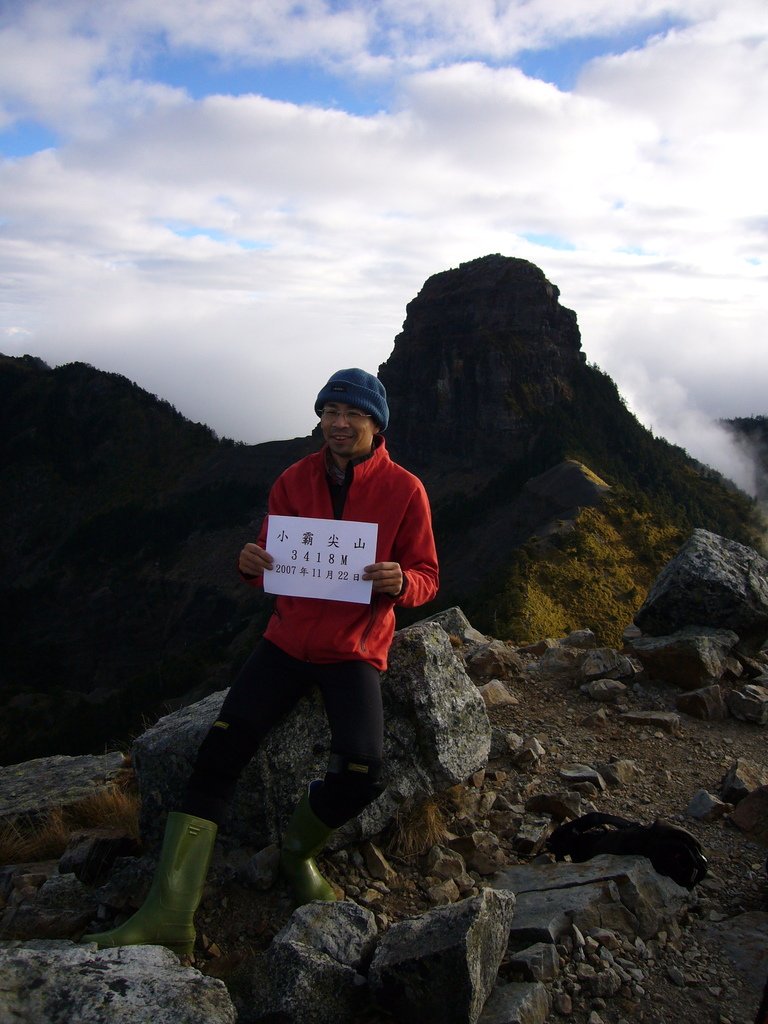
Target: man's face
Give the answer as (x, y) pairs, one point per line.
(348, 431)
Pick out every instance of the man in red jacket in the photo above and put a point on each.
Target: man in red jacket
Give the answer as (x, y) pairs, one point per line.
(338, 646)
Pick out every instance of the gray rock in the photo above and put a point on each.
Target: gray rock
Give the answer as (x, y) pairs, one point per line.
(455, 623)
(618, 772)
(620, 893)
(296, 984)
(128, 884)
(35, 788)
(689, 658)
(703, 806)
(606, 690)
(539, 647)
(442, 893)
(711, 581)
(441, 967)
(539, 962)
(47, 982)
(376, 864)
(664, 721)
(438, 731)
(444, 863)
(90, 854)
(562, 1004)
(532, 834)
(741, 778)
(263, 868)
(751, 815)
(561, 804)
(437, 735)
(606, 663)
(503, 741)
(9, 873)
(597, 720)
(528, 754)
(574, 773)
(744, 938)
(547, 915)
(343, 931)
(480, 851)
(518, 1003)
(749, 704)
(581, 638)
(561, 663)
(600, 983)
(496, 694)
(706, 704)
(493, 660)
(61, 906)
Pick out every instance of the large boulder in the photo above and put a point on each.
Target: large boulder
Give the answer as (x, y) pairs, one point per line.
(343, 931)
(713, 582)
(31, 790)
(309, 975)
(46, 981)
(437, 734)
(293, 983)
(441, 967)
(690, 658)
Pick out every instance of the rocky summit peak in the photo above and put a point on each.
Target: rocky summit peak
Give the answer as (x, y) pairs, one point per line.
(483, 347)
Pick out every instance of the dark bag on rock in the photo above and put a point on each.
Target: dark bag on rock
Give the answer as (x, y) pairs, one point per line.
(672, 850)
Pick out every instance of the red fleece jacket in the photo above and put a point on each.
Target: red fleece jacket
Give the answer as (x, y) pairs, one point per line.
(380, 492)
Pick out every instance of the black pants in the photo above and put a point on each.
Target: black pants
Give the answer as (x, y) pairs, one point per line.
(266, 689)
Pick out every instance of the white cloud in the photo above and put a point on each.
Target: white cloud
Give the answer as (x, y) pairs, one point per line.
(228, 253)
(664, 405)
(57, 55)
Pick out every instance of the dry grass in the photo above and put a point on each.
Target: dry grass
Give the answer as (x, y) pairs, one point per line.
(47, 838)
(416, 829)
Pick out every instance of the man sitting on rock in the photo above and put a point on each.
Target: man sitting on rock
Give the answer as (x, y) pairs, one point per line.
(339, 646)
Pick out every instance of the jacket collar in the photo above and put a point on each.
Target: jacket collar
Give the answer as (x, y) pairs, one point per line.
(377, 452)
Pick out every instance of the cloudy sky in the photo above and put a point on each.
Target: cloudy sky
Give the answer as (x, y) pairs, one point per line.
(225, 200)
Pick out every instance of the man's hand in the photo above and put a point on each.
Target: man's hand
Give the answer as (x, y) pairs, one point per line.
(254, 560)
(387, 577)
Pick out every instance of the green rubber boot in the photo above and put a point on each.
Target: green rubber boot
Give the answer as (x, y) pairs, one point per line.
(166, 916)
(305, 837)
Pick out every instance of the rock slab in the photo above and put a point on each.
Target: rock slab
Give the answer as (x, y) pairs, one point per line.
(49, 982)
(31, 790)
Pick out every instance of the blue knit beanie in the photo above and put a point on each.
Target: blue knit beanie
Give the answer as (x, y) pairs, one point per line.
(360, 389)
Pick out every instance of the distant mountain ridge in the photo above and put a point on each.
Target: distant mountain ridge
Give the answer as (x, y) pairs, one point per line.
(122, 520)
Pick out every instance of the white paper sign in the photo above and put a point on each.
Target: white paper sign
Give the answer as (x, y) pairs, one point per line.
(322, 558)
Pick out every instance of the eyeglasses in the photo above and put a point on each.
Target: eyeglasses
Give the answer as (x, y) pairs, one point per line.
(352, 416)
